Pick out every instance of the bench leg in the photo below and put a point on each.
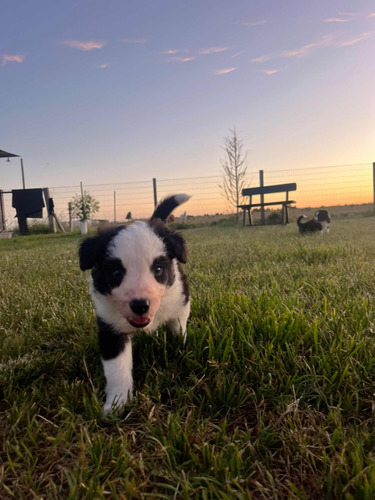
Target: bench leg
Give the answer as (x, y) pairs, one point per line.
(250, 217)
(244, 217)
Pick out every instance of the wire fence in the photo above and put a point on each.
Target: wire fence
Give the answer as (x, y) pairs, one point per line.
(316, 187)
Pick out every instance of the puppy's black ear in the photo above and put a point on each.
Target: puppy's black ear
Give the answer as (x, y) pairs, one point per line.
(176, 247)
(92, 250)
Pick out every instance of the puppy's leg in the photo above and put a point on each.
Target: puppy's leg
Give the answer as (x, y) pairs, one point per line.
(117, 359)
(178, 325)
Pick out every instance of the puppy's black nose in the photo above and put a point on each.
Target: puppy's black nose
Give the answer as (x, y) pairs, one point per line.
(139, 306)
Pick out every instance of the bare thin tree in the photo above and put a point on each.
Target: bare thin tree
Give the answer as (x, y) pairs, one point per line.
(234, 165)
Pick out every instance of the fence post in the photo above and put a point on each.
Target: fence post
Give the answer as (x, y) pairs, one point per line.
(261, 184)
(2, 212)
(155, 194)
(373, 182)
(70, 217)
(51, 220)
(114, 205)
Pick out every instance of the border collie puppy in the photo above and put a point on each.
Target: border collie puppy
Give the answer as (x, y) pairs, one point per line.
(319, 224)
(136, 284)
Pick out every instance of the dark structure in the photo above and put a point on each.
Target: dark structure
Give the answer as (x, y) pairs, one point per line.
(28, 203)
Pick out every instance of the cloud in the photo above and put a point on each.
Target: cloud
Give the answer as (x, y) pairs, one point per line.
(179, 59)
(224, 71)
(6, 59)
(306, 49)
(269, 72)
(372, 14)
(260, 59)
(336, 20)
(237, 54)
(134, 40)
(353, 41)
(213, 50)
(102, 66)
(251, 24)
(174, 51)
(75, 44)
(185, 59)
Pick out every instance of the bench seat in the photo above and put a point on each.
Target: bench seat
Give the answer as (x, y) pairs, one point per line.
(261, 191)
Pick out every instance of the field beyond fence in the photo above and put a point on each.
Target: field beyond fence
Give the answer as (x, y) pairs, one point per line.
(316, 187)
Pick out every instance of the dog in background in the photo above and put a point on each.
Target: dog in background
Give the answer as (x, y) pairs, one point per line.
(319, 224)
(136, 284)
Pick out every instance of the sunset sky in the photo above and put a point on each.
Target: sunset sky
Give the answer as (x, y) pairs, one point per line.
(126, 90)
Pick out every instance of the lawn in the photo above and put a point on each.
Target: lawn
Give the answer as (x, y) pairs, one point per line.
(272, 397)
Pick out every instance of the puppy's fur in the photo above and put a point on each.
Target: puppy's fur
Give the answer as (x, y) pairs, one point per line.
(136, 284)
(319, 224)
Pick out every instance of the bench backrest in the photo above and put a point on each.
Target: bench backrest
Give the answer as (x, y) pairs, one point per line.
(277, 188)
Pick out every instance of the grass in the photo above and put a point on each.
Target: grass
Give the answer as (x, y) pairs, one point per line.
(273, 396)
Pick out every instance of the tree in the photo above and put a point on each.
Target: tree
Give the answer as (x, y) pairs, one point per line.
(234, 166)
(84, 207)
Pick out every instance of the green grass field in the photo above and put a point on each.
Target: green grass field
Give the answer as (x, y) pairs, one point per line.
(272, 397)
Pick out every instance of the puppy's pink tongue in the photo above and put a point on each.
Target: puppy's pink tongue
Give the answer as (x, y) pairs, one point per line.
(139, 322)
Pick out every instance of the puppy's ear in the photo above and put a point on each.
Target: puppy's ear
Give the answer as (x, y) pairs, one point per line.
(174, 243)
(92, 250)
(176, 247)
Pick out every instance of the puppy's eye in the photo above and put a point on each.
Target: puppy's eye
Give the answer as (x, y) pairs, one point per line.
(158, 269)
(117, 274)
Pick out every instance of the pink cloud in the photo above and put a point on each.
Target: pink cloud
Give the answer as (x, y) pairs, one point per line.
(179, 59)
(336, 20)
(213, 50)
(102, 66)
(75, 44)
(270, 72)
(252, 24)
(173, 51)
(306, 49)
(224, 71)
(372, 14)
(347, 43)
(6, 59)
(260, 59)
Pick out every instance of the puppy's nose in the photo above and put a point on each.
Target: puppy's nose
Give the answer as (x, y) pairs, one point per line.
(139, 306)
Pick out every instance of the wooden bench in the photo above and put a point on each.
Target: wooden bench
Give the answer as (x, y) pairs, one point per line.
(261, 191)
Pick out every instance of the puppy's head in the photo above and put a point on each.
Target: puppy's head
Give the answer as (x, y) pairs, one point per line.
(132, 268)
(322, 216)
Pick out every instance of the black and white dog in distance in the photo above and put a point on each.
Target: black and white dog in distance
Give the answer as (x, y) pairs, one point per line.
(136, 284)
(319, 224)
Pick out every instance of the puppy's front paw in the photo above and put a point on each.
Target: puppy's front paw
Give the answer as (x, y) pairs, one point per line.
(115, 404)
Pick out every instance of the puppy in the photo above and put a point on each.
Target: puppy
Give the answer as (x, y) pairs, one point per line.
(319, 224)
(136, 284)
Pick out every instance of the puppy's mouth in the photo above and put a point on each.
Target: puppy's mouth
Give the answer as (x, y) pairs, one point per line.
(139, 322)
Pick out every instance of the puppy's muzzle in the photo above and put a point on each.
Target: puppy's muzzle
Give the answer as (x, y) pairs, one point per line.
(139, 306)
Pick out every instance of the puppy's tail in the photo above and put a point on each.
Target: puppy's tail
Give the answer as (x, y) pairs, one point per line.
(166, 207)
(300, 218)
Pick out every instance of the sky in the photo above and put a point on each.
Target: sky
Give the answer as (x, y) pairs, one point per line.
(127, 90)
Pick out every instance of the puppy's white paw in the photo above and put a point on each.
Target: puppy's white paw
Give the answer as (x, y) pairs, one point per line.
(115, 404)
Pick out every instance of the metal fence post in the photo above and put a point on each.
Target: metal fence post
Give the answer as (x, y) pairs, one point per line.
(114, 205)
(261, 184)
(2, 212)
(155, 194)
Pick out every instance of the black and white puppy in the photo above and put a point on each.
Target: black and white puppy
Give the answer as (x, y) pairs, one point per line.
(319, 224)
(136, 284)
